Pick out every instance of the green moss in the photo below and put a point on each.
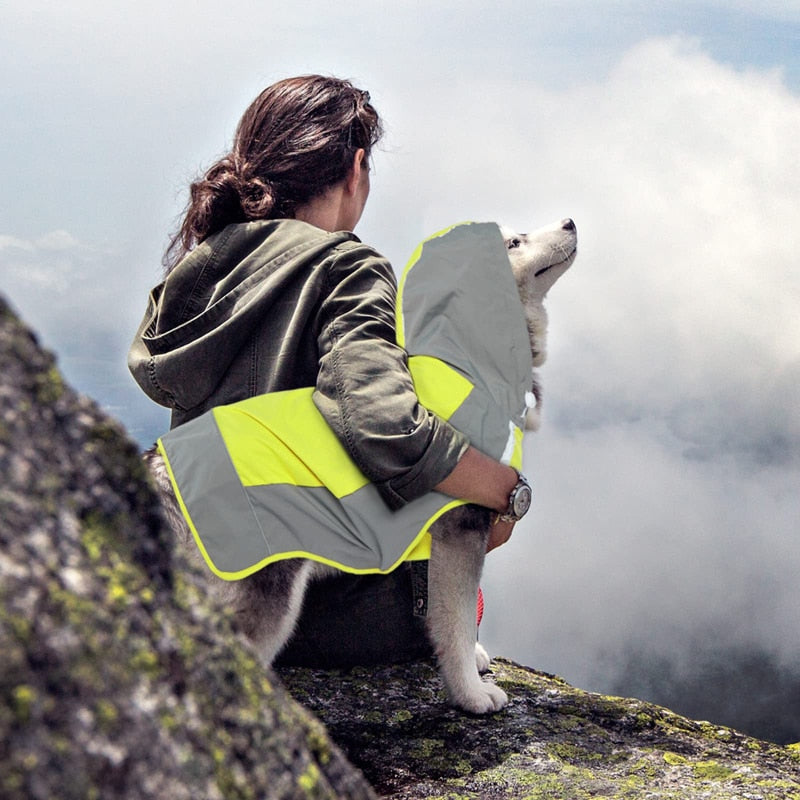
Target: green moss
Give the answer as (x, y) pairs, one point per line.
(754, 745)
(49, 386)
(168, 721)
(781, 785)
(711, 771)
(104, 431)
(570, 722)
(117, 595)
(106, 714)
(145, 660)
(572, 754)
(147, 595)
(674, 759)
(451, 796)
(126, 583)
(644, 767)
(309, 779)
(553, 786)
(427, 748)
(319, 743)
(11, 782)
(23, 698)
(20, 626)
(93, 540)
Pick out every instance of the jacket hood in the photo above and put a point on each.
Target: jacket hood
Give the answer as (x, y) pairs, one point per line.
(201, 315)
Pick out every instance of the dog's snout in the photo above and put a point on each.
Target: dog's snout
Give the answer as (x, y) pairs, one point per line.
(567, 224)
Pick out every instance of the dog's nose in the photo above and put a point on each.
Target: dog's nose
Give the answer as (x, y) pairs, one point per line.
(567, 224)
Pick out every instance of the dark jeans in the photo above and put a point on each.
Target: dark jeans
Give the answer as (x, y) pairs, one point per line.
(359, 620)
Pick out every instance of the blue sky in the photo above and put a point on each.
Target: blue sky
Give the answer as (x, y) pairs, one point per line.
(666, 472)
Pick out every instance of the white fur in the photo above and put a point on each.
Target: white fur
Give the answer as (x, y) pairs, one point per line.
(268, 603)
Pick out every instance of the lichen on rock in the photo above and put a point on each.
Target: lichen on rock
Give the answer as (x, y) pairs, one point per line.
(119, 677)
(551, 741)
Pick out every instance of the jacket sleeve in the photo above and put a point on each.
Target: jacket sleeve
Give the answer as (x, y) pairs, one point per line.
(364, 389)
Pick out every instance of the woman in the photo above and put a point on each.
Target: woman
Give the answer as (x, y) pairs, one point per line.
(268, 289)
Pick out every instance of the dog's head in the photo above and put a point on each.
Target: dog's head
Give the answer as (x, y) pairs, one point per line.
(538, 260)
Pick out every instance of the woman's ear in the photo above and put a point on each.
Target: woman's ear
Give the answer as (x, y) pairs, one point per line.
(354, 173)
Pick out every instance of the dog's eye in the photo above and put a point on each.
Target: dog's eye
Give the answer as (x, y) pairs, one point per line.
(512, 243)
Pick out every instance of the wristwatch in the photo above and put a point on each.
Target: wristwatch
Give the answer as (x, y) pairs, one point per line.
(519, 501)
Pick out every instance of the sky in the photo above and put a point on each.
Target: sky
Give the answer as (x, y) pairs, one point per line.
(667, 471)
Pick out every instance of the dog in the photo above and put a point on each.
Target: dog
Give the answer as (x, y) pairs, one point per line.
(267, 603)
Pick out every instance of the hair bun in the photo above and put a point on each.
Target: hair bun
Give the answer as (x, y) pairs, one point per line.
(257, 197)
(223, 196)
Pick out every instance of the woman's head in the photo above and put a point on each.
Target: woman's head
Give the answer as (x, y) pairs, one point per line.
(298, 138)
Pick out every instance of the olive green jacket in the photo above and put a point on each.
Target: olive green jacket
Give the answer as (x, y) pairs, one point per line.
(268, 306)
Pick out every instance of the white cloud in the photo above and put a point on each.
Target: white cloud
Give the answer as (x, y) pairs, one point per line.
(14, 243)
(41, 274)
(667, 467)
(628, 544)
(57, 241)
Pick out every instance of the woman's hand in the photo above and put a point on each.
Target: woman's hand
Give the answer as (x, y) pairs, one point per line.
(499, 534)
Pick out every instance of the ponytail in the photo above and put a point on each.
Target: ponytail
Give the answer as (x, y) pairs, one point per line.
(297, 139)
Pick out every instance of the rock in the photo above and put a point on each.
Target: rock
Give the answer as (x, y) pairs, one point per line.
(551, 741)
(118, 677)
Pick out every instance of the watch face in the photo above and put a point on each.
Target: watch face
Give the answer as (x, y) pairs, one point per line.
(522, 501)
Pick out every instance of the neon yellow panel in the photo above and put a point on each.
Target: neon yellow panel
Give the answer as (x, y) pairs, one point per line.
(440, 388)
(272, 438)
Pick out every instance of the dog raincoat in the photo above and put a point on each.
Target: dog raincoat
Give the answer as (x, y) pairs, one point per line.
(266, 479)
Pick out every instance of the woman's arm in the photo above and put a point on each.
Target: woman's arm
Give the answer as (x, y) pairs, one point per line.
(366, 394)
(364, 389)
(482, 480)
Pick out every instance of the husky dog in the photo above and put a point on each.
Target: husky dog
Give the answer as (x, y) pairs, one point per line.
(268, 603)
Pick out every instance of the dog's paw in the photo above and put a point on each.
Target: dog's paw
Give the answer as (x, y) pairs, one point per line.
(482, 660)
(482, 699)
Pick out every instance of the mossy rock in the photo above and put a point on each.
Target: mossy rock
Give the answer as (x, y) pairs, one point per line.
(119, 678)
(552, 741)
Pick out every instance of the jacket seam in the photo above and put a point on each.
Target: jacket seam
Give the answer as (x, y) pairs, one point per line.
(151, 371)
(252, 389)
(341, 395)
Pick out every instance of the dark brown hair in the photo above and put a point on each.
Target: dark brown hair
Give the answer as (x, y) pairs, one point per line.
(297, 139)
